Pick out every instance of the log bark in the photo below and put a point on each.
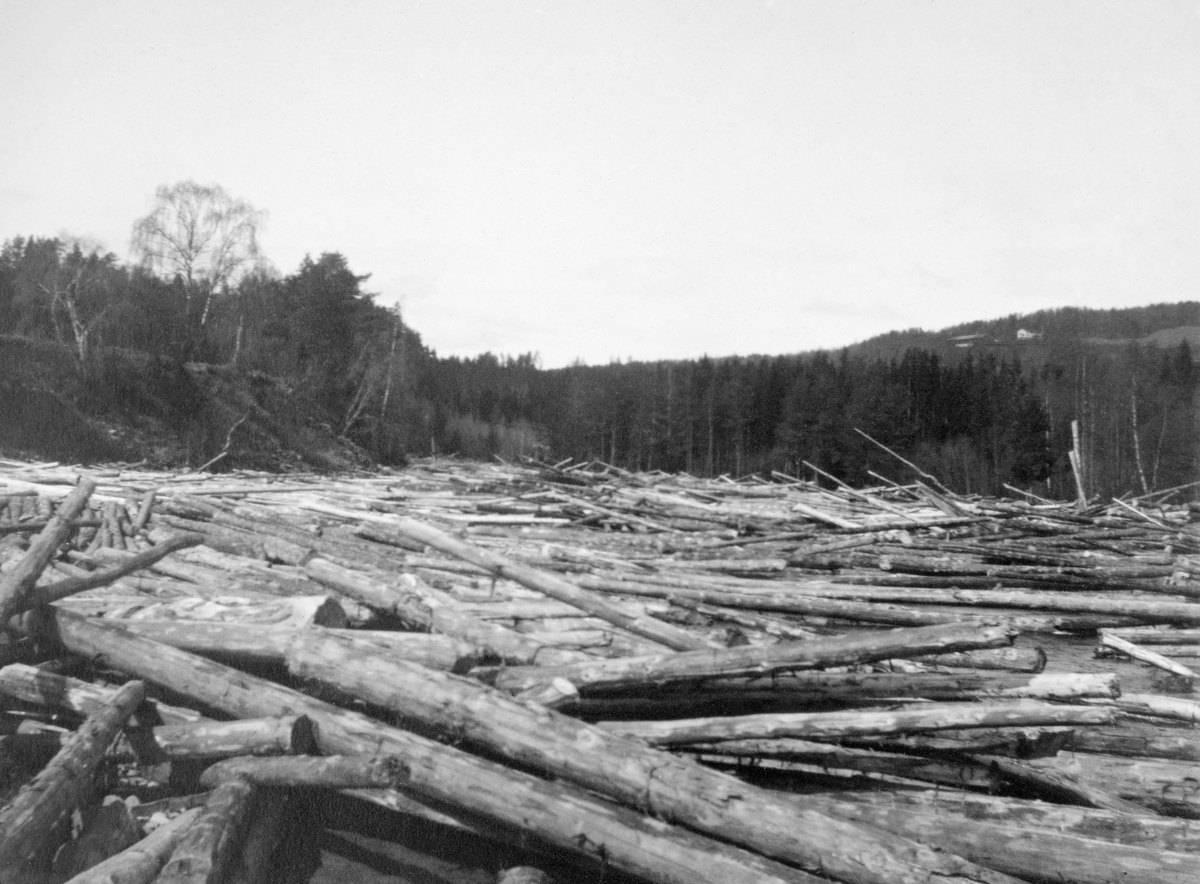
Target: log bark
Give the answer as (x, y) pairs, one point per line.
(673, 789)
(274, 644)
(830, 725)
(17, 584)
(35, 685)
(140, 863)
(1039, 855)
(29, 818)
(696, 666)
(647, 627)
(207, 849)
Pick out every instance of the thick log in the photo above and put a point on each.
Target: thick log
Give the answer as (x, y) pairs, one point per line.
(17, 584)
(695, 666)
(1009, 659)
(35, 685)
(425, 607)
(29, 819)
(290, 734)
(673, 789)
(829, 725)
(1156, 705)
(140, 863)
(1167, 787)
(273, 644)
(549, 584)
(208, 847)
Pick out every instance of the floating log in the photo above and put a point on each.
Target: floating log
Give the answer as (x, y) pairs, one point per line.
(757, 661)
(426, 608)
(829, 725)
(551, 585)
(29, 819)
(1146, 656)
(675, 789)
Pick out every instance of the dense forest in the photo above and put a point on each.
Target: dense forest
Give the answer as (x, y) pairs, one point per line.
(980, 406)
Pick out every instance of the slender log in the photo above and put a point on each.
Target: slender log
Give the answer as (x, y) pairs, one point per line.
(1146, 656)
(17, 584)
(425, 607)
(828, 725)
(695, 666)
(52, 592)
(140, 863)
(28, 820)
(207, 849)
(674, 789)
(1140, 739)
(655, 630)
(1155, 635)
(523, 875)
(1157, 705)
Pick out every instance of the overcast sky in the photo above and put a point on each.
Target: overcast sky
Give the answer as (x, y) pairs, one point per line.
(639, 179)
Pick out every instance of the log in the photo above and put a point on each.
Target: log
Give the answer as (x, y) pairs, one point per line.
(61, 589)
(696, 666)
(289, 734)
(273, 644)
(35, 685)
(111, 829)
(140, 863)
(207, 849)
(29, 819)
(647, 627)
(674, 789)
(1170, 788)
(1117, 643)
(1139, 830)
(1040, 855)
(17, 584)
(426, 608)
(830, 725)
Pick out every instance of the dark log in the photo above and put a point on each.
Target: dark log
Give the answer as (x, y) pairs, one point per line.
(207, 849)
(29, 819)
(140, 863)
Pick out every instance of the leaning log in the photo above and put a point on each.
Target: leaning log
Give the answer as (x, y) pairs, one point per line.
(552, 585)
(17, 584)
(140, 863)
(207, 849)
(673, 789)
(28, 820)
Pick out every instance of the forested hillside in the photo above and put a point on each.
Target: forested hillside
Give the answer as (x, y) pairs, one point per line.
(200, 342)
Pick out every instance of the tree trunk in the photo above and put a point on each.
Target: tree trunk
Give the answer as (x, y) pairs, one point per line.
(208, 848)
(140, 863)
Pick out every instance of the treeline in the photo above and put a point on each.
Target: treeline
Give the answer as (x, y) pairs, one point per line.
(979, 419)
(352, 361)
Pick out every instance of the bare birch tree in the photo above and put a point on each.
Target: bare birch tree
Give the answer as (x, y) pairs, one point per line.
(203, 235)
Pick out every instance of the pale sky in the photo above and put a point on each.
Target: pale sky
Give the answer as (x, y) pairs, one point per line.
(642, 179)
